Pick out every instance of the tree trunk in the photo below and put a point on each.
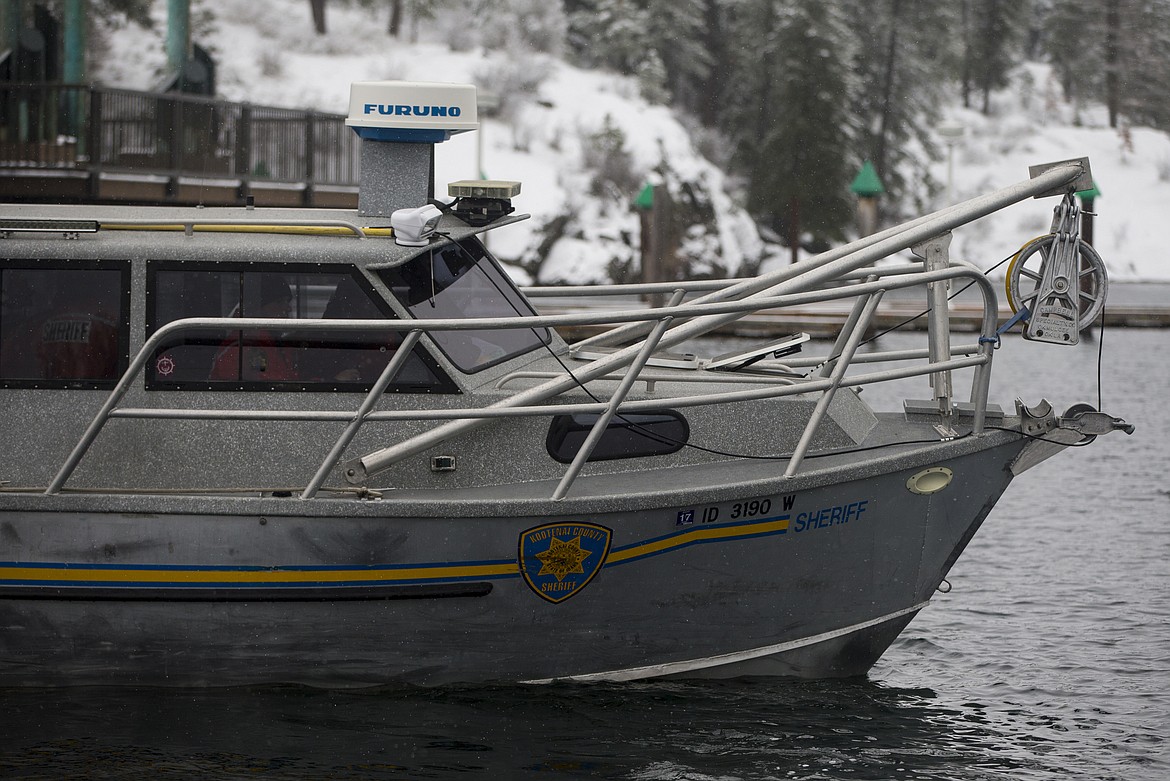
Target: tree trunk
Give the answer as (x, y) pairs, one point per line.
(711, 93)
(989, 49)
(395, 18)
(887, 105)
(968, 36)
(318, 7)
(1112, 32)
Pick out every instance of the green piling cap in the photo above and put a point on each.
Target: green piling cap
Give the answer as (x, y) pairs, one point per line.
(645, 199)
(867, 184)
(1091, 193)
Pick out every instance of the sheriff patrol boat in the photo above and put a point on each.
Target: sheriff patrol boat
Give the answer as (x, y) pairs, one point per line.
(251, 446)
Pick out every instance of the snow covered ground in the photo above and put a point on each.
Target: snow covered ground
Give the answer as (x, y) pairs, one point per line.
(268, 54)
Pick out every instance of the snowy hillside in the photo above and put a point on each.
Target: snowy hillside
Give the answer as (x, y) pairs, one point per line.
(551, 115)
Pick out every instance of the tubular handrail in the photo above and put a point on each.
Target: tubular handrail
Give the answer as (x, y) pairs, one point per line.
(189, 226)
(616, 405)
(794, 279)
(615, 401)
(855, 255)
(689, 285)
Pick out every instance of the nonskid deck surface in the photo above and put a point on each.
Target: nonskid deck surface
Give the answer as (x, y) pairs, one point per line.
(896, 445)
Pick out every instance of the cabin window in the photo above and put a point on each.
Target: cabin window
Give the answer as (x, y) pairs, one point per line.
(628, 435)
(459, 281)
(288, 359)
(64, 324)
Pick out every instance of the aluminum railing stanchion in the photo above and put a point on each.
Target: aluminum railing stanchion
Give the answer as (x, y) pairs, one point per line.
(401, 355)
(619, 396)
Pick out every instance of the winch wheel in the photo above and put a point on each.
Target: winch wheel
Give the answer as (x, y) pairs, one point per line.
(1026, 270)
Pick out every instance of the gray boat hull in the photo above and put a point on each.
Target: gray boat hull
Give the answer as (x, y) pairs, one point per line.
(812, 576)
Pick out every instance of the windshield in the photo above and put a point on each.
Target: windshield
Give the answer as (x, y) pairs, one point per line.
(460, 281)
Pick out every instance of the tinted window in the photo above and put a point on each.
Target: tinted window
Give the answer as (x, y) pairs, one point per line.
(63, 324)
(280, 359)
(460, 281)
(628, 435)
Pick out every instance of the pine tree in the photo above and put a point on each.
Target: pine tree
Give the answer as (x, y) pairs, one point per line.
(905, 48)
(1116, 52)
(716, 43)
(791, 122)
(609, 33)
(995, 35)
(1144, 62)
(676, 36)
(659, 41)
(1069, 28)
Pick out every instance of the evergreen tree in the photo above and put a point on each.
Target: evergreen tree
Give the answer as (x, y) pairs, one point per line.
(658, 41)
(791, 121)
(676, 37)
(1143, 62)
(905, 50)
(137, 11)
(711, 88)
(1068, 26)
(609, 33)
(1116, 52)
(995, 35)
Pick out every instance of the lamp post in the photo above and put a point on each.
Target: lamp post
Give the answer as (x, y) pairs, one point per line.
(951, 133)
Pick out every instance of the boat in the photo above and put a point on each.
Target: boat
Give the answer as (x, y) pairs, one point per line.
(342, 448)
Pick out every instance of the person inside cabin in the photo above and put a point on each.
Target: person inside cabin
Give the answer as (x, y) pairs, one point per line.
(263, 356)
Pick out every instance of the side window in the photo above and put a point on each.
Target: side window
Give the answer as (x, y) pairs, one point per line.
(64, 324)
(271, 359)
(461, 281)
(628, 435)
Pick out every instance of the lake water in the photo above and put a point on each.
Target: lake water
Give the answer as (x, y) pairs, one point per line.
(1049, 659)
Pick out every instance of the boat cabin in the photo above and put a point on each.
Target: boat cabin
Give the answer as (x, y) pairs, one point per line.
(214, 407)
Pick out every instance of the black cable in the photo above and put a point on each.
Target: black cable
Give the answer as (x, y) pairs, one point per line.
(1038, 438)
(927, 311)
(1100, 356)
(661, 438)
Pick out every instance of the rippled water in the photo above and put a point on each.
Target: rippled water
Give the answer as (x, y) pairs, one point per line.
(1049, 659)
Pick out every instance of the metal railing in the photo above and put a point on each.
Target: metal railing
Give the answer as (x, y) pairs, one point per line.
(617, 402)
(92, 128)
(668, 326)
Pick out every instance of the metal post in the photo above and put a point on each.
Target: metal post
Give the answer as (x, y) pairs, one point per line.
(310, 143)
(846, 329)
(619, 396)
(94, 142)
(935, 253)
(178, 34)
(388, 374)
(242, 150)
(73, 72)
(826, 398)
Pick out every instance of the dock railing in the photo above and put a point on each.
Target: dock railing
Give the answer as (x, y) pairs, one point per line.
(668, 326)
(104, 130)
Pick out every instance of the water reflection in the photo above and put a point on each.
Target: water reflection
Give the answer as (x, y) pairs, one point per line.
(1048, 660)
(742, 729)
